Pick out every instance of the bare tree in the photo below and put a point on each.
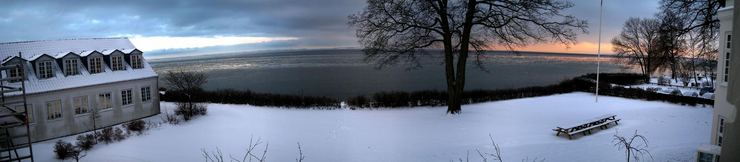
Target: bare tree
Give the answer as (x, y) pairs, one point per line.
(700, 16)
(690, 29)
(395, 30)
(184, 81)
(699, 55)
(638, 44)
(635, 147)
(187, 83)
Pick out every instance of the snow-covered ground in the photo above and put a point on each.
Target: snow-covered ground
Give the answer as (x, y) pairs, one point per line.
(664, 89)
(676, 85)
(522, 127)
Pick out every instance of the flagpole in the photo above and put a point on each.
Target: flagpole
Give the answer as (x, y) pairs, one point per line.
(598, 51)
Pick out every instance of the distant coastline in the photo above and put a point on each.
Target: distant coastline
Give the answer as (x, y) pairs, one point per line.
(275, 52)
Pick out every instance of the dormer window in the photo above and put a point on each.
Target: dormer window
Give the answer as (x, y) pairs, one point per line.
(96, 65)
(45, 70)
(70, 67)
(117, 63)
(136, 62)
(15, 72)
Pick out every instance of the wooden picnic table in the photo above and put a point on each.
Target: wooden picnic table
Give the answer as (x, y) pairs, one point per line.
(585, 128)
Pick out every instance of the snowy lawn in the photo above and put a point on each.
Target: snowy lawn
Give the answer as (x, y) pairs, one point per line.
(522, 127)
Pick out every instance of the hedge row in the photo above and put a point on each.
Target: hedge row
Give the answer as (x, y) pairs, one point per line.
(253, 98)
(583, 83)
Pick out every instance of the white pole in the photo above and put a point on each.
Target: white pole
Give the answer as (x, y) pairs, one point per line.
(598, 52)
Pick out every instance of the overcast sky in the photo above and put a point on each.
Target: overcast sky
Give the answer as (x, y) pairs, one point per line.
(205, 25)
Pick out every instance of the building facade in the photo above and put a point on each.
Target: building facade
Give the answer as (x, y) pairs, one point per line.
(724, 112)
(79, 85)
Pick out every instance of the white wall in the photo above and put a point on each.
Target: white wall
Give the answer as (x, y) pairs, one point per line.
(721, 106)
(70, 123)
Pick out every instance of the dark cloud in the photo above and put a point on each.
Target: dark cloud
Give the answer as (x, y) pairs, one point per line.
(315, 22)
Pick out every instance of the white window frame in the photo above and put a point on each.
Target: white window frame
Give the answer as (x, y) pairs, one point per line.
(45, 69)
(19, 108)
(136, 61)
(117, 63)
(127, 97)
(146, 94)
(95, 65)
(728, 53)
(81, 105)
(15, 72)
(71, 67)
(106, 101)
(54, 110)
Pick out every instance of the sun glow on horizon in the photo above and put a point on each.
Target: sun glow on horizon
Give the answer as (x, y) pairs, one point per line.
(580, 47)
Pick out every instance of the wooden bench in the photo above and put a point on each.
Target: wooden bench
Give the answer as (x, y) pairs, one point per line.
(601, 122)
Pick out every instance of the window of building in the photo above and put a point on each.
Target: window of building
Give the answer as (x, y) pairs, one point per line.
(54, 109)
(146, 94)
(117, 63)
(81, 105)
(19, 108)
(45, 69)
(96, 65)
(70, 67)
(719, 141)
(705, 157)
(15, 72)
(126, 98)
(105, 101)
(720, 130)
(727, 57)
(136, 62)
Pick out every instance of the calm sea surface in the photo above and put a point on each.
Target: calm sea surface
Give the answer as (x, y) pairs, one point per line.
(343, 73)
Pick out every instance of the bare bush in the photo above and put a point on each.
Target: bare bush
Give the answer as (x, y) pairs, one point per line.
(634, 149)
(301, 157)
(252, 153)
(119, 134)
(63, 149)
(137, 126)
(189, 110)
(86, 141)
(494, 156)
(105, 135)
(170, 118)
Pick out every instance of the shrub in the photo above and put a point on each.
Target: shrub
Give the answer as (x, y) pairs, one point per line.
(582, 84)
(252, 98)
(190, 110)
(171, 118)
(664, 80)
(86, 141)
(105, 135)
(676, 92)
(137, 126)
(118, 134)
(63, 149)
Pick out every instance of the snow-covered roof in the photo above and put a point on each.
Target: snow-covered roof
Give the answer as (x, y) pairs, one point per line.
(85, 53)
(32, 50)
(51, 47)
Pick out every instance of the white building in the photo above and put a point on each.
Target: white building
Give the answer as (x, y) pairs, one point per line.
(724, 112)
(77, 85)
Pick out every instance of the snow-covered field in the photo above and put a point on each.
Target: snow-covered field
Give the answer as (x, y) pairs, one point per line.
(522, 127)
